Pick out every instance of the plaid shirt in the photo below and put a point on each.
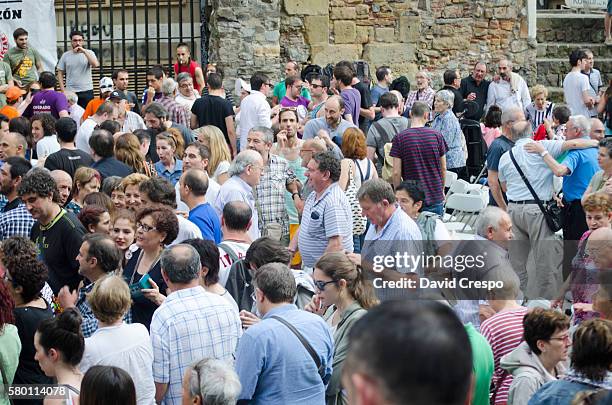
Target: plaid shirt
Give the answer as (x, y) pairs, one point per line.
(426, 96)
(190, 325)
(176, 112)
(270, 193)
(90, 323)
(16, 222)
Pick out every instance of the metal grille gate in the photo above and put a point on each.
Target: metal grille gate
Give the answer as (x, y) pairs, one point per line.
(134, 34)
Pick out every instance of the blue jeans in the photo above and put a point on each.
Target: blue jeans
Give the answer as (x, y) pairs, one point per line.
(435, 208)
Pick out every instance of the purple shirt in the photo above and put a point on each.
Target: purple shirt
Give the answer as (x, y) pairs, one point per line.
(47, 102)
(352, 102)
(301, 101)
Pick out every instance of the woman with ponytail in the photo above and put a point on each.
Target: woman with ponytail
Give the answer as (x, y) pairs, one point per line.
(59, 345)
(343, 296)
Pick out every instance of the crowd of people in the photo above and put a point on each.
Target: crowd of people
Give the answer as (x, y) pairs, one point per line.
(195, 244)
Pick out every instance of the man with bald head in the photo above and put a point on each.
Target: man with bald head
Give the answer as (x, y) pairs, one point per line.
(63, 181)
(598, 130)
(599, 248)
(12, 144)
(332, 123)
(193, 187)
(509, 90)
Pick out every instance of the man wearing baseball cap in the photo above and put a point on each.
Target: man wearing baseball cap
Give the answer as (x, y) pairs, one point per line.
(106, 87)
(129, 120)
(14, 96)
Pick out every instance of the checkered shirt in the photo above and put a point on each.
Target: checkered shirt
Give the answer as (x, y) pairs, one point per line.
(190, 325)
(176, 112)
(426, 96)
(90, 323)
(16, 222)
(270, 193)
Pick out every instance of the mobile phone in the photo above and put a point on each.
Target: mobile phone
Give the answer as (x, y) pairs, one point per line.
(143, 283)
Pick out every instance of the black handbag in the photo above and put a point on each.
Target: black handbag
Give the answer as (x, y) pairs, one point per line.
(552, 212)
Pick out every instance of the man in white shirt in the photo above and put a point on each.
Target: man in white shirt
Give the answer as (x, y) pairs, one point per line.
(254, 109)
(106, 111)
(235, 223)
(196, 156)
(594, 76)
(576, 86)
(510, 90)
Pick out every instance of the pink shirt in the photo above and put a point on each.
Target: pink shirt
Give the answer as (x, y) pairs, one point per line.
(489, 134)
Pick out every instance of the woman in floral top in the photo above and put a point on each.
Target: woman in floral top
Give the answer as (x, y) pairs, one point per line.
(448, 125)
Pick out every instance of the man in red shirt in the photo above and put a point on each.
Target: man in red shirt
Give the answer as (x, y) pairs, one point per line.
(186, 64)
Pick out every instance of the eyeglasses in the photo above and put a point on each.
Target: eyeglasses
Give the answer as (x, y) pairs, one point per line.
(564, 339)
(145, 228)
(316, 86)
(321, 284)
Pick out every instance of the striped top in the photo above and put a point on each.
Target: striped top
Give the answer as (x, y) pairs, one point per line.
(420, 150)
(537, 117)
(504, 332)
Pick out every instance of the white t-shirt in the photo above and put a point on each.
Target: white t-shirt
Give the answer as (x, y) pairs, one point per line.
(84, 133)
(441, 233)
(127, 347)
(222, 167)
(225, 261)
(187, 230)
(574, 84)
(47, 145)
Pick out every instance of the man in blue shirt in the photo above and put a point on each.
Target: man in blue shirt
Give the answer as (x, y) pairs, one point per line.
(273, 365)
(193, 187)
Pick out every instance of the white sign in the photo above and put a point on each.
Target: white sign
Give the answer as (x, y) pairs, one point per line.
(38, 18)
(587, 3)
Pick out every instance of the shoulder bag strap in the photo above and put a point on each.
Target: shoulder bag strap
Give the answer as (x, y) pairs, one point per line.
(531, 190)
(381, 132)
(227, 249)
(305, 343)
(361, 171)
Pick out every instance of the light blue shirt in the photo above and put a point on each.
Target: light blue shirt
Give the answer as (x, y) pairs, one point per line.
(313, 126)
(274, 367)
(236, 189)
(448, 125)
(582, 164)
(172, 176)
(533, 166)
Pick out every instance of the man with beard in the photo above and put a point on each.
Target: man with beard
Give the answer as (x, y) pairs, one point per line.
(332, 123)
(157, 121)
(57, 233)
(196, 157)
(76, 65)
(24, 60)
(272, 212)
(15, 220)
(509, 90)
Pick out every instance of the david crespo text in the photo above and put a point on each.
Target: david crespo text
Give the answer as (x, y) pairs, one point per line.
(425, 283)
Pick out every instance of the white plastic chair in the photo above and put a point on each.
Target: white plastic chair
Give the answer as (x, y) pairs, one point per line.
(449, 179)
(466, 208)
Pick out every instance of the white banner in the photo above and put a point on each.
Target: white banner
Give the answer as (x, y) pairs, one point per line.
(597, 4)
(38, 18)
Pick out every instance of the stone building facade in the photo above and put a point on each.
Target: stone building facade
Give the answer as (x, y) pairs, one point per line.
(250, 35)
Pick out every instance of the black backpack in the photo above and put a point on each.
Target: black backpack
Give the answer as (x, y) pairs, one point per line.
(239, 280)
(362, 71)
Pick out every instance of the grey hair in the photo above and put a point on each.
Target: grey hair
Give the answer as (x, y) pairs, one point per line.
(507, 59)
(214, 381)
(268, 134)
(446, 96)
(376, 190)
(158, 110)
(521, 130)
(277, 282)
(490, 216)
(582, 122)
(183, 76)
(168, 86)
(181, 263)
(242, 160)
(510, 289)
(71, 96)
(510, 114)
(426, 74)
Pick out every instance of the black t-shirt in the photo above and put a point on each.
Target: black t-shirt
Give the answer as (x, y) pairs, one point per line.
(27, 320)
(58, 245)
(112, 167)
(213, 110)
(142, 307)
(68, 160)
(458, 103)
(366, 99)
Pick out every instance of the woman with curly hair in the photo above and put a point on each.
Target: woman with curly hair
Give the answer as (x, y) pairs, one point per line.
(128, 151)
(86, 181)
(220, 156)
(45, 138)
(25, 277)
(95, 219)
(10, 346)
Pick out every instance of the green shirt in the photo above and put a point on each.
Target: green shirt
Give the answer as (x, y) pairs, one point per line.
(482, 365)
(280, 91)
(5, 76)
(10, 347)
(27, 72)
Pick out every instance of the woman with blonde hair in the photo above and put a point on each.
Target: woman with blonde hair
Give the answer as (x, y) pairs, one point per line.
(127, 150)
(343, 296)
(131, 193)
(540, 109)
(86, 180)
(220, 155)
(179, 140)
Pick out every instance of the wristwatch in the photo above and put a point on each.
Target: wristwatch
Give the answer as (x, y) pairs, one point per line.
(294, 194)
(544, 153)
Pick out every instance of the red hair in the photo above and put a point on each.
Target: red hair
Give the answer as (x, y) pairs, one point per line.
(7, 304)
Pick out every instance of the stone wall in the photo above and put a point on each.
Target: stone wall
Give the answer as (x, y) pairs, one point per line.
(404, 34)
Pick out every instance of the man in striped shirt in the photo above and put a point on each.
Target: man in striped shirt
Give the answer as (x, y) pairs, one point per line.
(504, 330)
(419, 153)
